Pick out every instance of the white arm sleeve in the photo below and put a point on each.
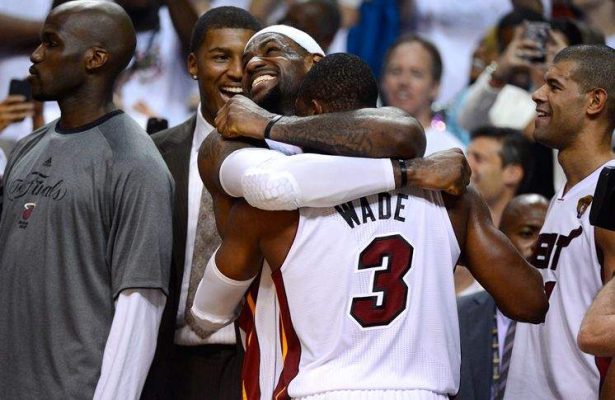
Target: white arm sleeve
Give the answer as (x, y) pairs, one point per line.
(278, 182)
(131, 344)
(238, 162)
(217, 299)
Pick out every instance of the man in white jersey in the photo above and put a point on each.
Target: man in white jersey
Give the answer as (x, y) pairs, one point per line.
(576, 115)
(365, 288)
(275, 63)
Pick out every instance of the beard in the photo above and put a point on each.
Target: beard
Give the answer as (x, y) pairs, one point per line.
(272, 100)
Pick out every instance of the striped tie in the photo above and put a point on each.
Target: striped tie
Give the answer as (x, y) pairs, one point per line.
(505, 361)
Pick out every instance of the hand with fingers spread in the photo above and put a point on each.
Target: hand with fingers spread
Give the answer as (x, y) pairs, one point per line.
(241, 117)
(13, 109)
(446, 170)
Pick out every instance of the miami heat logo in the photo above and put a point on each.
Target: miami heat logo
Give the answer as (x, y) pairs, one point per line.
(28, 208)
(26, 214)
(583, 204)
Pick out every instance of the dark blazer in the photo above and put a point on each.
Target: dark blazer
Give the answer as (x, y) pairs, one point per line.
(476, 320)
(174, 145)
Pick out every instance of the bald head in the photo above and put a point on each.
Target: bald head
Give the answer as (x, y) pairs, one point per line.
(522, 220)
(99, 24)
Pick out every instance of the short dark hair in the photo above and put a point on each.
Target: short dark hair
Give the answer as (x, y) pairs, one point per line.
(516, 149)
(221, 18)
(341, 81)
(594, 69)
(436, 59)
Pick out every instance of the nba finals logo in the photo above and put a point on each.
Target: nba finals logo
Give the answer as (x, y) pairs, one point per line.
(25, 215)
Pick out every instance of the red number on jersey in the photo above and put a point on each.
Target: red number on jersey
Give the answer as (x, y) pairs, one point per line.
(393, 255)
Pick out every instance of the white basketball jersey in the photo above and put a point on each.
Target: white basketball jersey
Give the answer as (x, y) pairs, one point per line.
(367, 300)
(546, 361)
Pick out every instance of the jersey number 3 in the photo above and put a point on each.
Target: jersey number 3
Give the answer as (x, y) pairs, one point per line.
(391, 258)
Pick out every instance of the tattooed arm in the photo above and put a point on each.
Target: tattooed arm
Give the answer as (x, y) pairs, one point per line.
(385, 132)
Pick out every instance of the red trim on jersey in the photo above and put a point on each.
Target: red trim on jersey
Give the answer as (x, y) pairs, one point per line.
(603, 366)
(291, 348)
(250, 370)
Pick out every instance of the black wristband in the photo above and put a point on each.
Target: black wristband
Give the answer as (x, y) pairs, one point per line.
(403, 170)
(272, 122)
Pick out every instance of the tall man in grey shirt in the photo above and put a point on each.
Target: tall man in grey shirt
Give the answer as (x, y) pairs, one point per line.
(85, 233)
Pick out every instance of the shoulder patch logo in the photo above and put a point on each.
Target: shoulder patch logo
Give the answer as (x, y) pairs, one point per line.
(583, 204)
(47, 163)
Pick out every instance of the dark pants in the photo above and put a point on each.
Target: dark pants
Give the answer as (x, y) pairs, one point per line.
(209, 372)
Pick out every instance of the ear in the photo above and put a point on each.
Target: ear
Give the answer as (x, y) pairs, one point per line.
(193, 68)
(316, 107)
(95, 58)
(312, 59)
(512, 175)
(597, 101)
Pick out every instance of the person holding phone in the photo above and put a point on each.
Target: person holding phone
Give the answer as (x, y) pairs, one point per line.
(14, 108)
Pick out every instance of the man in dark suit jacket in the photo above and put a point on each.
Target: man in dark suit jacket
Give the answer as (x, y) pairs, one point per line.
(521, 222)
(188, 364)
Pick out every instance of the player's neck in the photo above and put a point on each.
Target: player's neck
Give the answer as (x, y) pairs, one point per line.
(77, 112)
(580, 160)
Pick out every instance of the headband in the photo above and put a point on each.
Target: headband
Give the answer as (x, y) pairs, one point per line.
(301, 38)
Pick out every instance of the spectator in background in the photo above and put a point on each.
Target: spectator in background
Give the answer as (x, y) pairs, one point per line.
(320, 19)
(484, 54)
(411, 81)
(455, 27)
(508, 76)
(502, 165)
(487, 334)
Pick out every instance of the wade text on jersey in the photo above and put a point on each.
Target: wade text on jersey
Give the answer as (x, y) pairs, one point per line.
(361, 211)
